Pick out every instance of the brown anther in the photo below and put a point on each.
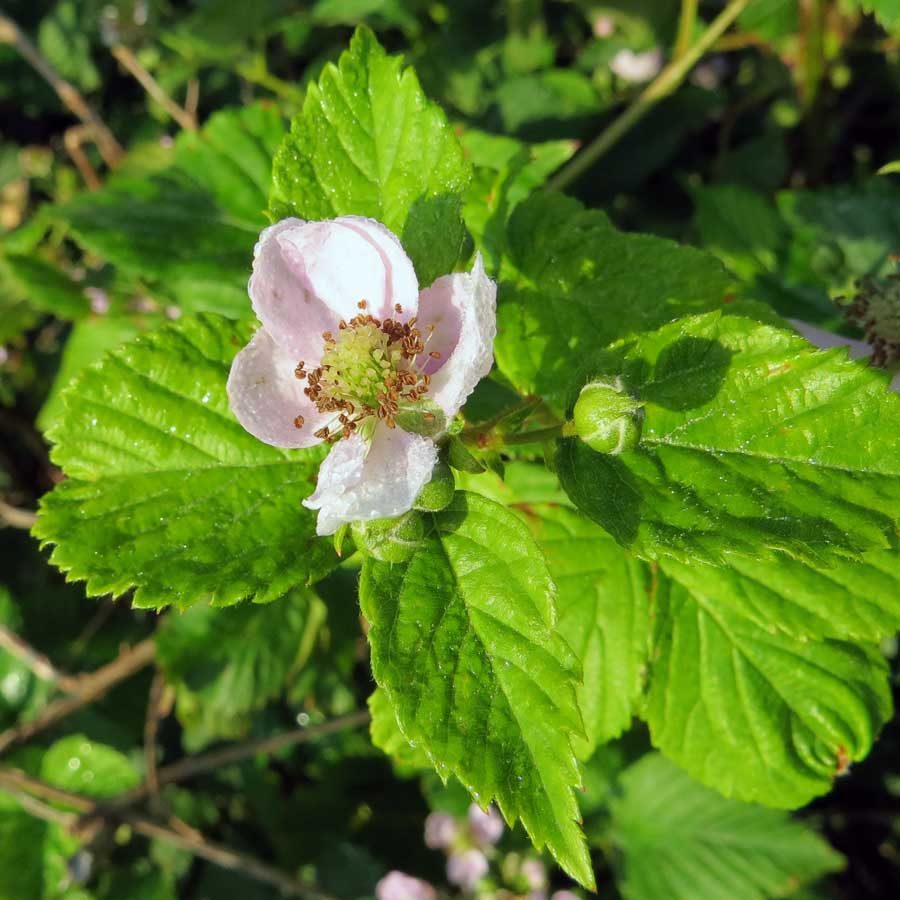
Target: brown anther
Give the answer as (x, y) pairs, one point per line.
(435, 354)
(328, 336)
(363, 304)
(298, 422)
(428, 417)
(398, 308)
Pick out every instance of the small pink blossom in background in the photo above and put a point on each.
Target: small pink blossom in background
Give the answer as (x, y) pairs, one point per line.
(347, 340)
(603, 26)
(564, 895)
(466, 869)
(441, 830)
(167, 142)
(99, 300)
(535, 874)
(486, 827)
(399, 886)
(173, 312)
(637, 68)
(4, 354)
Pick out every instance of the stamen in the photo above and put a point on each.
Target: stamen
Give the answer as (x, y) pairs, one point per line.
(363, 304)
(298, 422)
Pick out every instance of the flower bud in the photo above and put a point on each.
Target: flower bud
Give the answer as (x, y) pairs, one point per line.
(438, 493)
(486, 827)
(389, 540)
(466, 869)
(441, 830)
(399, 886)
(607, 418)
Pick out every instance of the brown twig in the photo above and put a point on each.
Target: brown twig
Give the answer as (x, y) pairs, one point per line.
(109, 147)
(208, 762)
(17, 518)
(157, 705)
(132, 65)
(85, 689)
(39, 664)
(73, 141)
(30, 792)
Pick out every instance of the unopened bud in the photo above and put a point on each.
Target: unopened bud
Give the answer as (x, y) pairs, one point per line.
(389, 540)
(607, 418)
(437, 494)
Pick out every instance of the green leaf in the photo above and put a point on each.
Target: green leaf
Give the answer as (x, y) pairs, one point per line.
(63, 38)
(464, 645)
(856, 600)
(45, 287)
(33, 855)
(807, 249)
(231, 157)
(368, 142)
(752, 441)
(506, 172)
(171, 234)
(166, 492)
(228, 663)
(77, 764)
(87, 342)
(886, 11)
(758, 714)
(387, 737)
(604, 606)
(681, 841)
(573, 283)
(187, 233)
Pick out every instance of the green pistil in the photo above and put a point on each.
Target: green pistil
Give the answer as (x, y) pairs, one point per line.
(356, 365)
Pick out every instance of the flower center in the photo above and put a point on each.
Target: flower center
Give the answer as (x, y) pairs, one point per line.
(368, 373)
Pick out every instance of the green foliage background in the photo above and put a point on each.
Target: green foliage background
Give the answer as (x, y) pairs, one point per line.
(673, 670)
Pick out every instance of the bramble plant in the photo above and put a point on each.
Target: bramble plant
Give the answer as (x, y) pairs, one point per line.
(607, 537)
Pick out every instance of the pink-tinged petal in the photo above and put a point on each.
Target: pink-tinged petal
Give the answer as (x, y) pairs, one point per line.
(474, 296)
(824, 340)
(400, 886)
(360, 481)
(267, 398)
(401, 286)
(295, 318)
(341, 263)
(440, 321)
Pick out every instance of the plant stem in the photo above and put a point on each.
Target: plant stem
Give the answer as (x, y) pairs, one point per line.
(27, 790)
(17, 518)
(663, 85)
(686, 22)
(538, 436)
(131, 64)
(110, 149)
(85, 689)
(39, 664)
(208, 762)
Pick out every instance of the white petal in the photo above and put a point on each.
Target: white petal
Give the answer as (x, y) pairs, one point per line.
(440, 321)
(827, 339)
(266, 397)
(294, 317)
(474, 296)
(345, 261)
(402, 286)
(360, 481)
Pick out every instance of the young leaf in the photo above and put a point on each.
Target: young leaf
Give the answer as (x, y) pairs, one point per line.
(573, 283)
(465, 646)
(78, 764)
(605, 608)
(682, 841)
(227, 663)
(751, 441)
(166, 492)
(758, 714)
(368, 142)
